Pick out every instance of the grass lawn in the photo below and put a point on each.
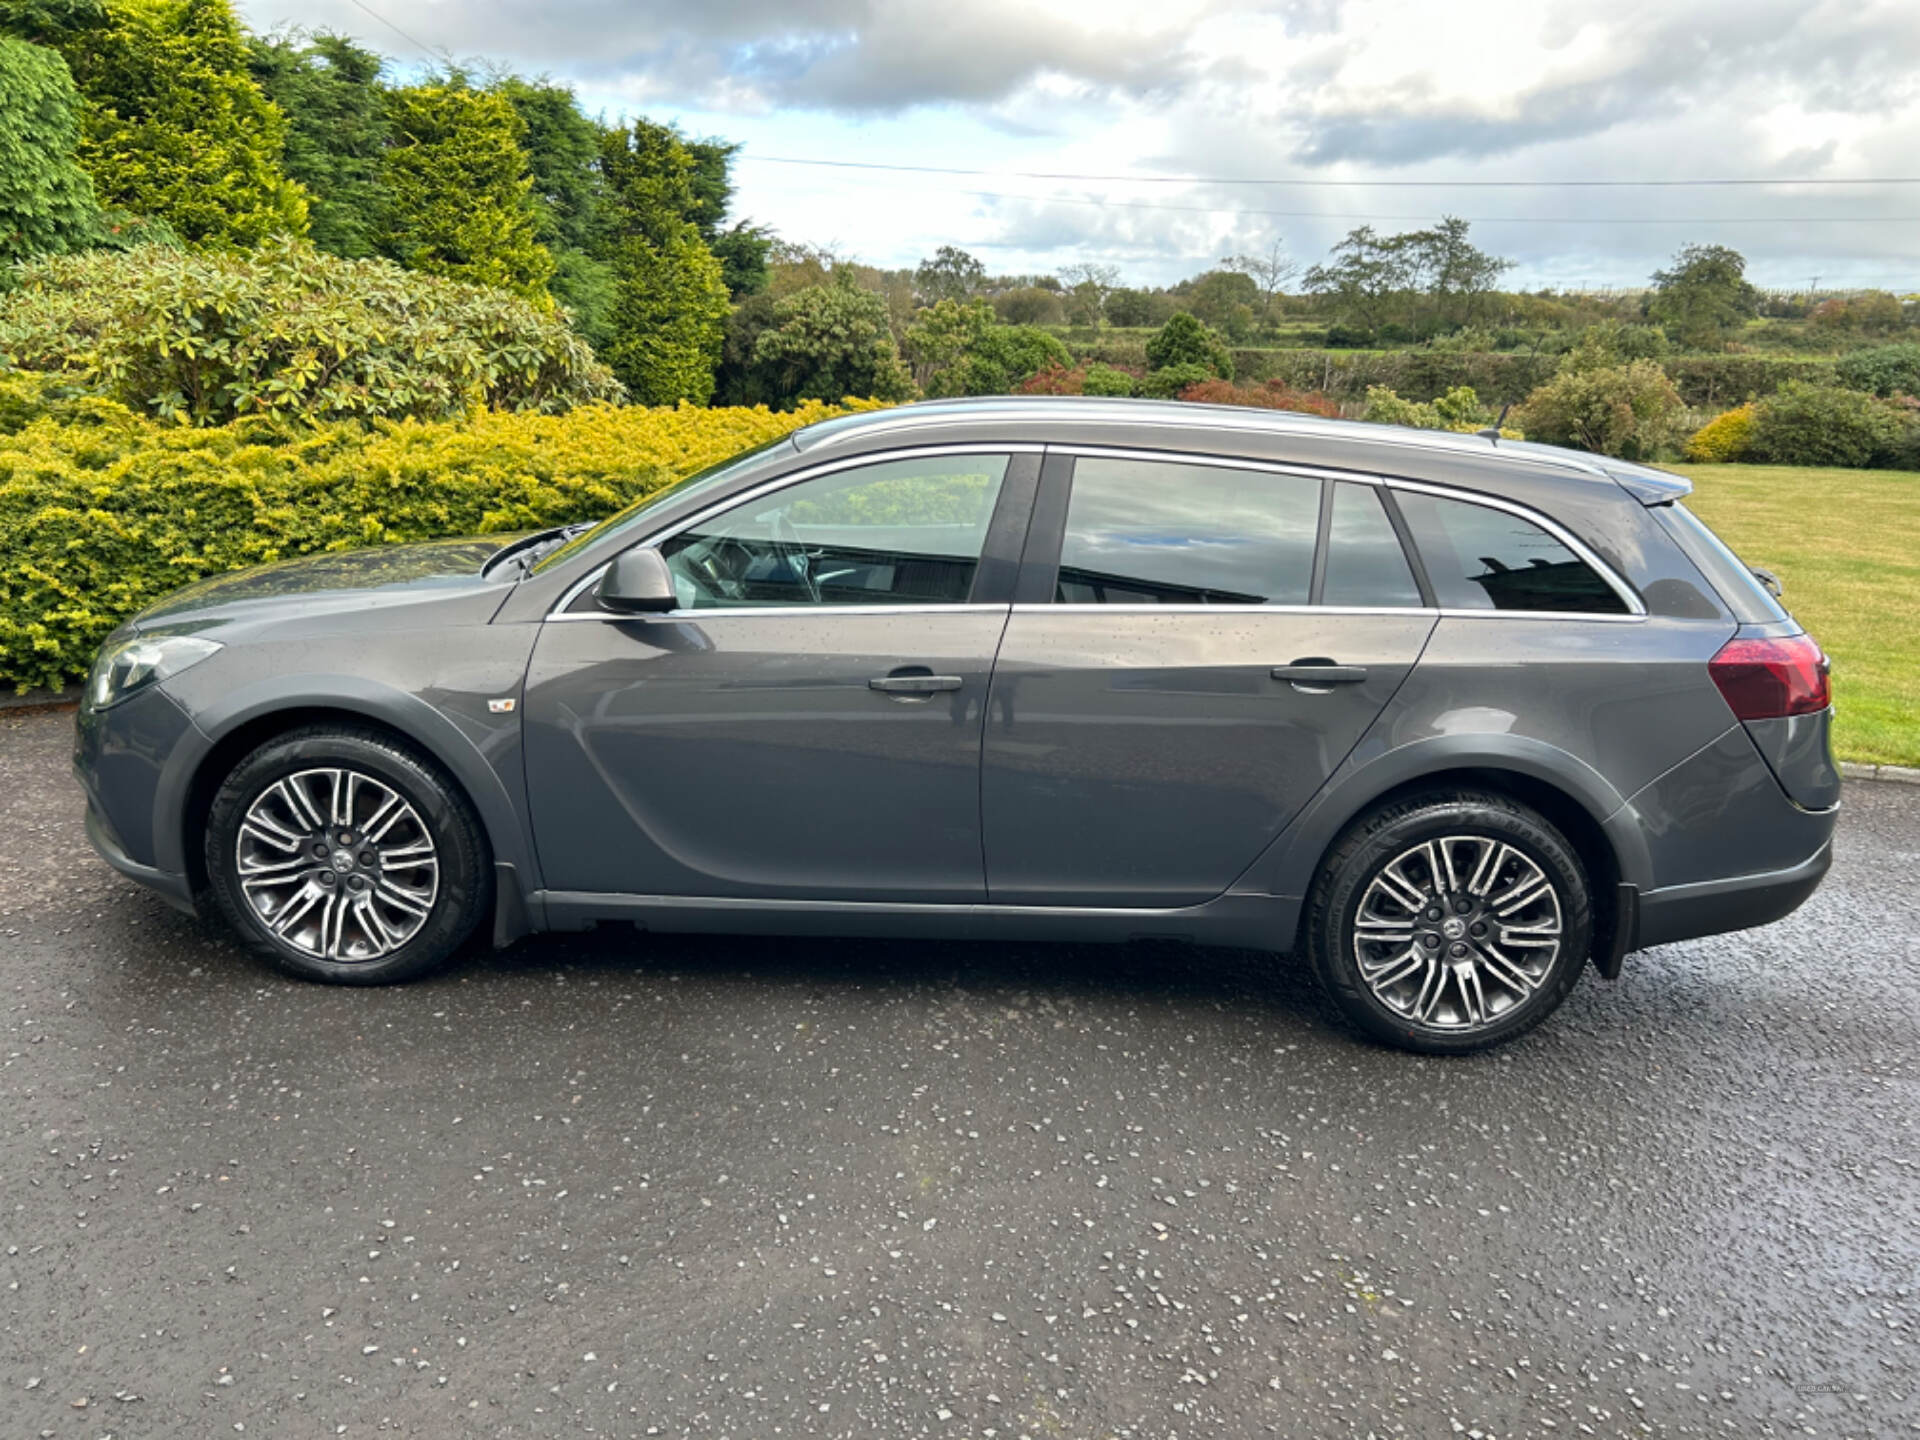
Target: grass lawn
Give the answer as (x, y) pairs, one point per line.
(1846, 546)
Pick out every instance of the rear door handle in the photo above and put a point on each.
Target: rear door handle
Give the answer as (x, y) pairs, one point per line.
(914, 684)
(1315, 672)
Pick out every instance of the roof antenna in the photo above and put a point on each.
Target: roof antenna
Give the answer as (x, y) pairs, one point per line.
(1492, 432)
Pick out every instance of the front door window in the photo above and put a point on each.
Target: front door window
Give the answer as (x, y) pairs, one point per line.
(903, 532)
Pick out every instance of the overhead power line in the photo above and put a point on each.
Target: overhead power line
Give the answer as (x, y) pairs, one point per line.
(1471, 219)
(420, 44)
(1327, 184)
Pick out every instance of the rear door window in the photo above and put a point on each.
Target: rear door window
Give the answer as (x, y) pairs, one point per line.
(1155, 532)
(1482, 558)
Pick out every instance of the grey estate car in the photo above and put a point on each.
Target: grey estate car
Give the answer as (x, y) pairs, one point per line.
(1453, 715)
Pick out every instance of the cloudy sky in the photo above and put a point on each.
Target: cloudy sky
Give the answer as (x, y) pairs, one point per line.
(1159, 135)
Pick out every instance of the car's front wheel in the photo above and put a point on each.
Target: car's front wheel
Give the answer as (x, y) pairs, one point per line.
(340, 855)
(1450, 922)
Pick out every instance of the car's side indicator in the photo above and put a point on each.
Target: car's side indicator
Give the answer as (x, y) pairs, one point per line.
(501, 707)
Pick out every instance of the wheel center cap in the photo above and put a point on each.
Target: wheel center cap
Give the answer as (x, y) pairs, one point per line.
(342, 861)
(1454, 927)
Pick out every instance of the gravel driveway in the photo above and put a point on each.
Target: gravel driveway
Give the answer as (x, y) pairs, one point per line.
(618, 1185)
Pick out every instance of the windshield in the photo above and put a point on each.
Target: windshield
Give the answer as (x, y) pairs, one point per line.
(701, 480)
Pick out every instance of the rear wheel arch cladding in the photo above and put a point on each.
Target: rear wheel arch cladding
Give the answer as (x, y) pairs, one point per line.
(1577, 799)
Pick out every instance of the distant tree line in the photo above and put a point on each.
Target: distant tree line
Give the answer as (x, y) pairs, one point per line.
(130, 123)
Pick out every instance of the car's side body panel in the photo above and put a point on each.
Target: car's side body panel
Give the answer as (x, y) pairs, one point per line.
(1374, 769)
(1719, 813)
(1147, 757)
(1799, 750)
(1628, 697)
(1728, 847)
(741, 753)
(1252, 921)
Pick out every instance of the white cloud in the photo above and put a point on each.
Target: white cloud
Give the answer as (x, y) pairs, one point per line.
(1317, 89)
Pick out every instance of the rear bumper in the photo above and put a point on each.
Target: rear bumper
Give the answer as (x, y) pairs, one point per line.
(1726, 847)
(174, 889)
(1713, 907)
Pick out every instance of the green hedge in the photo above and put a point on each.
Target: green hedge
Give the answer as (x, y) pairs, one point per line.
(1499, 377)
(1715, 382)
(104, 511)
(1829, 425)
(204, 338)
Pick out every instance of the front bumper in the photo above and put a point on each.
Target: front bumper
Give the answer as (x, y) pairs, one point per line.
(176, 890)
(123, 758)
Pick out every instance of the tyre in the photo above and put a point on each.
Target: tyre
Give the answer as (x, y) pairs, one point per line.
(338, 854)
(1450, 922)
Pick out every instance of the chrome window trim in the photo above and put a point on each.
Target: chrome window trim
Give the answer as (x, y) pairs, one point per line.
(1432, 611)
(1585, 617)
(813, 472)
(756, 611)
(1636, 609)
(1071, 608)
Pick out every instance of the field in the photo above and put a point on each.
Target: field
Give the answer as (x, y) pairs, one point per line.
(1846, 546)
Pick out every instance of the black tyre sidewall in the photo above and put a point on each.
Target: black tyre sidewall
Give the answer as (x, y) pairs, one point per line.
(466, 889)
(1376, 839)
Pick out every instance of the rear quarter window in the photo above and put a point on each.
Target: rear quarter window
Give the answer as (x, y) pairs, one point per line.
(1478, 557)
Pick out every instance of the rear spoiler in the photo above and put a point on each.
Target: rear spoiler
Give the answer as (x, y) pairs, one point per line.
(1649, 486)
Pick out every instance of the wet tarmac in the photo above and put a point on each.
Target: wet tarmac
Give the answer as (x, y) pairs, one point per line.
(631, 1186)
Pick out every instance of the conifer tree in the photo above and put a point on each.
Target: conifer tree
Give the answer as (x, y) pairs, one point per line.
(46, 200)
(175, 129)
(670, 306)
(459, 197)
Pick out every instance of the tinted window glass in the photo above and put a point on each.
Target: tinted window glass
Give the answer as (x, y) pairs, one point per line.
(1365, 562)
(1151, 532)
(908, 532)
(1480, 558)
(710, 478)
(1749, 600)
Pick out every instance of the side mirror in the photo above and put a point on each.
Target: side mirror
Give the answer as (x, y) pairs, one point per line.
(637, 583)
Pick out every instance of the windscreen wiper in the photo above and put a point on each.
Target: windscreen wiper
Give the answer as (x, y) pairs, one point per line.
(523, 555)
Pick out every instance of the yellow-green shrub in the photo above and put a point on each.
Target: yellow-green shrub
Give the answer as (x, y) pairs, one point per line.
(1724, 438)
(104, 511)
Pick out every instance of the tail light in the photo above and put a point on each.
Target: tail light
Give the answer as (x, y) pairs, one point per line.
(1765, 679)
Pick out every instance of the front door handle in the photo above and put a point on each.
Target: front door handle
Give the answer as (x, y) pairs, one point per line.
(1312, 673)
(914, 684)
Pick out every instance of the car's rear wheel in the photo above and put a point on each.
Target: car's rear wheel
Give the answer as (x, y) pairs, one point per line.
(1448, 923)
(340, 855)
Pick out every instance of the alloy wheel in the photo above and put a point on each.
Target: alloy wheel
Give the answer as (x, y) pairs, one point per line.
(337, 864)
(1457, 931)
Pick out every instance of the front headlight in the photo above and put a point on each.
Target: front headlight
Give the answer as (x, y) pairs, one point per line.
(134, 664)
